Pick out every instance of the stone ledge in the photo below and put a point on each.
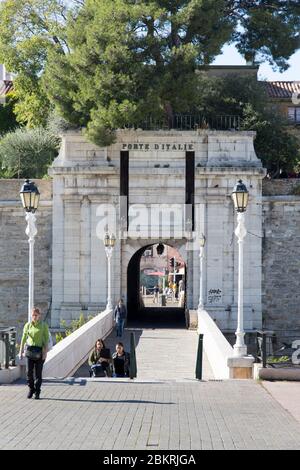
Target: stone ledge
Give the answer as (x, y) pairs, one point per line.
(288, 373)
(7, 376)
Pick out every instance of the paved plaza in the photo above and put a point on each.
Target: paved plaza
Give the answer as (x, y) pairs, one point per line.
(105, 414)
(165, 408)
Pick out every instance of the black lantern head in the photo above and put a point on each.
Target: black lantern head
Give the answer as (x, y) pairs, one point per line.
(160, 249)
(240, 196)
(30, 196)
(106, 240)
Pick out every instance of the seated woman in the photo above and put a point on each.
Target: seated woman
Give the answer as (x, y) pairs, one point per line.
(99, 360)
(121, 361)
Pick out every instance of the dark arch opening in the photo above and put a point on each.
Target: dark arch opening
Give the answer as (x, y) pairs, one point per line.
(137, 312)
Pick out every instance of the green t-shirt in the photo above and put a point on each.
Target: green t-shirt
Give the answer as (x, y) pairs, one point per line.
(35, 334)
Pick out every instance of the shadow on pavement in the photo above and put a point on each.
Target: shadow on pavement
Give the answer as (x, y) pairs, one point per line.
(110, 401)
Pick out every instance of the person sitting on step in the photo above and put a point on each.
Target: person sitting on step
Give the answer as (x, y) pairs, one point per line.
(121, 361)
(99, 360)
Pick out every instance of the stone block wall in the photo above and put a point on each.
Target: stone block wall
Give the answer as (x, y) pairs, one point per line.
(14, 253)
(281, 261)
(280, 187)
(280, 256)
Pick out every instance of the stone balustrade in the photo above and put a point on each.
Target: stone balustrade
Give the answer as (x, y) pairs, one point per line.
(67, 355)
(216, 346)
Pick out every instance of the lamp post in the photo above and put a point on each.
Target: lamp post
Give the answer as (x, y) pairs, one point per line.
(240, 198)
(202, 242)
(30, 200)
(109, 243)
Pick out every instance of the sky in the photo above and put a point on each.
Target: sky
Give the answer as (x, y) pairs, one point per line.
(231, 56)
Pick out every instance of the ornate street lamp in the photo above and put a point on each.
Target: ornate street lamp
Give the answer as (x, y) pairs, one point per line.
(109, 244)
(240, 197)
(202, 241)
(30, 197)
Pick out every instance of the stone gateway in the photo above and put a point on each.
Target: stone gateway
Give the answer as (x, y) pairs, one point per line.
(151, 187)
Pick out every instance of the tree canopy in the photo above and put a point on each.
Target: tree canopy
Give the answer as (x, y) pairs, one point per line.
(247, 98)
(8, 120)
(106, 63)
(129, 59)
(29, 29)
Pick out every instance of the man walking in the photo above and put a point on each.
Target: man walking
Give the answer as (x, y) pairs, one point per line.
(120, 315)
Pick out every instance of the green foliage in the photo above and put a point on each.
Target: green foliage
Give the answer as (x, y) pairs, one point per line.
(132, 59)
(27, 153)
(274, 144)
(74, 325)
(278, 359)
(247, 98)
(29, 29)
(105, 64)
(8, 120)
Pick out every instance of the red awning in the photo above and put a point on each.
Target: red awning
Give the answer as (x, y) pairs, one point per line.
(156, 274)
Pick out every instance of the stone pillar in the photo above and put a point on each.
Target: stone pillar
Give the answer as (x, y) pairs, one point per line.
(85, 251)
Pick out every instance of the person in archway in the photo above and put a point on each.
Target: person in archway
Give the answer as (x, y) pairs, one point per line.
(121, 361)
(120, 315)
(99, 360)
(156, 294)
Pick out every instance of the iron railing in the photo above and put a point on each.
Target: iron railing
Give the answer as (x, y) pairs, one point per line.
(187, 122)
(7, 347)
(270, 353)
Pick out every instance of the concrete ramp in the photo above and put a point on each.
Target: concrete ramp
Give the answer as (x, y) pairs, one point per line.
(162, 354)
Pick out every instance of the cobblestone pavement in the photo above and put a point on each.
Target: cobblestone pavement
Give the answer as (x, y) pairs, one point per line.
(122, 414)
(162, 353)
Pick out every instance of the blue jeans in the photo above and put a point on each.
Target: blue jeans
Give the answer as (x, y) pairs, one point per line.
(120, 327)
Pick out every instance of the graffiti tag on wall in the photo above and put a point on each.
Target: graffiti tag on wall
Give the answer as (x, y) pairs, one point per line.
(214, 296)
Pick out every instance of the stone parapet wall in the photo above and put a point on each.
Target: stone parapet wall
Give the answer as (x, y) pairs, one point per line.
(281, 265)
(281, 255)
(280, 187)
(14, 252)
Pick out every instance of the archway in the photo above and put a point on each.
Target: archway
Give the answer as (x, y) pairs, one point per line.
(168, 305)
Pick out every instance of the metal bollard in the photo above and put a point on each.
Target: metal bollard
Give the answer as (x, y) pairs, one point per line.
(199, 358)
(264, 350)
(7, 345)
(133, 365)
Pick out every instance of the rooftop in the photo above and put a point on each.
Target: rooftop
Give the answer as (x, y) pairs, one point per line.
(283, 89)
(5, 87)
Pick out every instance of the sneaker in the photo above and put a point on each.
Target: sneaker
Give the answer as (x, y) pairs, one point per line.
(30, 394)
(37, 396)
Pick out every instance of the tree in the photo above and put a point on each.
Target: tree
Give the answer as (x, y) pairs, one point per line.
(27, 153)
(110, 63)
(247, 98)
(131, 59)
(274, 144)
(8, 120)
(29, 29)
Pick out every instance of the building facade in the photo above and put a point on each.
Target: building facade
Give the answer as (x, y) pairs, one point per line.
(151, 187)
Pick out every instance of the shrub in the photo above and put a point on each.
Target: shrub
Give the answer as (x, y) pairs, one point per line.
(27, 153)
(74, 325)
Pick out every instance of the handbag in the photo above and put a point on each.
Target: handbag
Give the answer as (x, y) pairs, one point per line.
(98, 371)
(34, 353)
